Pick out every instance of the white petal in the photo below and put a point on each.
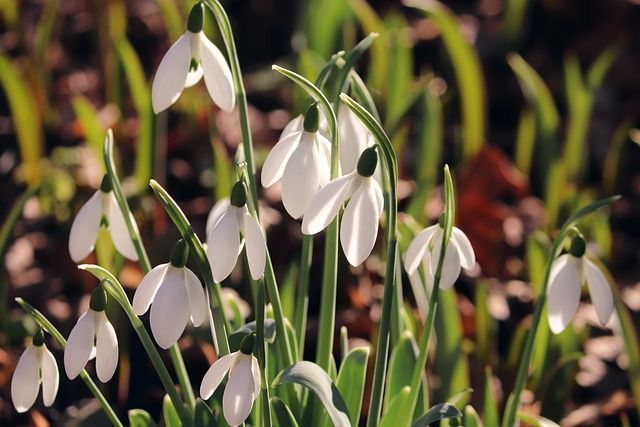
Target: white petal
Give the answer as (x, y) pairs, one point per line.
(239, 393)
(324, 160)
(216, 213)
(215, 375)
(450, 264)
(119, 230)
(255, 369)
(599, 289)
(359, 227)
(300, 181)
(146, 291)
(465, 250)
(274, 164)
(26, 380)
(564, 292)
(223, 245)
(50, 376)
(197, 298)
(79, 344)
(327, 203)
(170, 310)
(418, 249)
(106, 348)
(256, 248)
(194, 76)
(171, 76)
(217, 75)
(355, 137)
(85, 228)
(295, 125)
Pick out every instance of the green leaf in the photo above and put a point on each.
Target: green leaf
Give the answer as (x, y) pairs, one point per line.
(536, 420)
(203, 417)
(172, 17)
(224, 171)
(140, 418)
(351, 379)
(472, 419)
(436, 413)
(449, 207)
(397, 408)
(490, 407)
(169, 413)
(315, 379)
(282, 413)
(371, 23)
(525, 140)
(403, 359)
(237, 336)
(93, 130)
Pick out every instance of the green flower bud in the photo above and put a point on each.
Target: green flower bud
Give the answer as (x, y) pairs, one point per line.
(179, 254)
(239, 194)
(368, 162)
(196, 18)
(38, 338)
(312, 118)
(105, 186)
(98, 299)
(578, 247)
(248, 343)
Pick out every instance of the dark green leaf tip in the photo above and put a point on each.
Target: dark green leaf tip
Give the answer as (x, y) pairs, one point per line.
(105, 185)
(312, 118)
(248, 343)
(196, 18)
(38, 338)
(98, 299)
(179, 254)
(368, 162)
(578, 247)
(239, 194)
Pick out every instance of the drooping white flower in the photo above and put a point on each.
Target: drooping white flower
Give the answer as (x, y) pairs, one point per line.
(235, 229)
(192, 56)
(302, 160)
(175, 294)
(243, 386)
(36, 366)
(425, 248)
(100, 211)
(568, 273)
(359, 226)
(93, 336)
(355, 139)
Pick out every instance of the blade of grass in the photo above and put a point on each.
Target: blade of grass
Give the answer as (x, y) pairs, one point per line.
(92, 129)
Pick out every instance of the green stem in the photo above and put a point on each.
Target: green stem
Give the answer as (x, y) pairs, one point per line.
(327, 320)
(302, 297)
(183, 375)
(48, 326)
(264, 386)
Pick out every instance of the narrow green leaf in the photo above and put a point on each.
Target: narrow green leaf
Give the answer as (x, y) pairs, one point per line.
(536, 420)
(490, 407)
(351, 379)
(472, 419)
(525, 140)
(173, 18)
(399, 63)
(315, 379)
(169, 413)
(449, 206)
(282, 413)
(371, 23)
(93, 130)
(404, 357)
(397, 408)
(140, 418)
(513, 21)
(223, 169)
(10, 14)
(203, 416)
(238, 335)
(436, 413)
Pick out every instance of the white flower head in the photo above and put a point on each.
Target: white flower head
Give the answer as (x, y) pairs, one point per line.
(235, 229)
(243, 386)
(175, 294)
(568, 273)
(426, 246)
(355, 139)
(36, 366)
(101, 210)
(302, 160)
(359, 226)
(192, 56)
(93, 336)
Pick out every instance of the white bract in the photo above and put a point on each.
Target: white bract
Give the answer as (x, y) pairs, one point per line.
(359, 226)
(426, 246)
(36, 366)
(568, 273)
(243, 386)
(192, 56)
(101, 210)
(302, 160)
(175, 294)
(92, 336)
(235, 229)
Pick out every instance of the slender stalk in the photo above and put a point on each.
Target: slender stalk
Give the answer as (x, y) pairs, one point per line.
(327, 317)
(302, 297)
(183, 375)
(264, 387)
(48, 326)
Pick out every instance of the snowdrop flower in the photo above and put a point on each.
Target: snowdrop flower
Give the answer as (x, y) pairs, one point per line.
(243, 386)
(235, 229)
(302, 160)
(568, 273)
(359, 227)
(101, 210)
(93, 336)
(426, 247)
(176, 295)
(184, 64)
(356, 138)
(36, 366)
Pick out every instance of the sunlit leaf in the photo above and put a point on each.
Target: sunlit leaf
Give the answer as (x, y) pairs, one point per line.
(351, 379)
(140, 418)
(436, 413)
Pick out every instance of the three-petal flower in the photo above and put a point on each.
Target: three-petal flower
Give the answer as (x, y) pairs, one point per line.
(36, 366)
(192, 56)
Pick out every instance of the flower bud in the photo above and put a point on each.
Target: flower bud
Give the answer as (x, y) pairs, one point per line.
(179, 254)
(98, 299)
(196, 18)
(239, 194)
(38, 338)
(578, 247)
(312, 118)
(105, 185)
(247, 344)
(367, 162)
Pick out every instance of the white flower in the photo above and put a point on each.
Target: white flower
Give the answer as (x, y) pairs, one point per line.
(426, 247)
(184, 64)
(243, 386)
(93, 336)
(355, 139)
(101, 210)
(176, 295)
(225, 240)
(36, 366)
(302, 160)
(359, 227)
(568, 273)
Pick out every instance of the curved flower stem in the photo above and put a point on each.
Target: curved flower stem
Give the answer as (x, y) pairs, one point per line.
(113, 286)
(264, 386)
(145, 264)
(525, 360)
(302, 296)
(48, 326)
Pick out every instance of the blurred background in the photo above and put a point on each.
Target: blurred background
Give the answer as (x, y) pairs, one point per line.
(534, 104)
